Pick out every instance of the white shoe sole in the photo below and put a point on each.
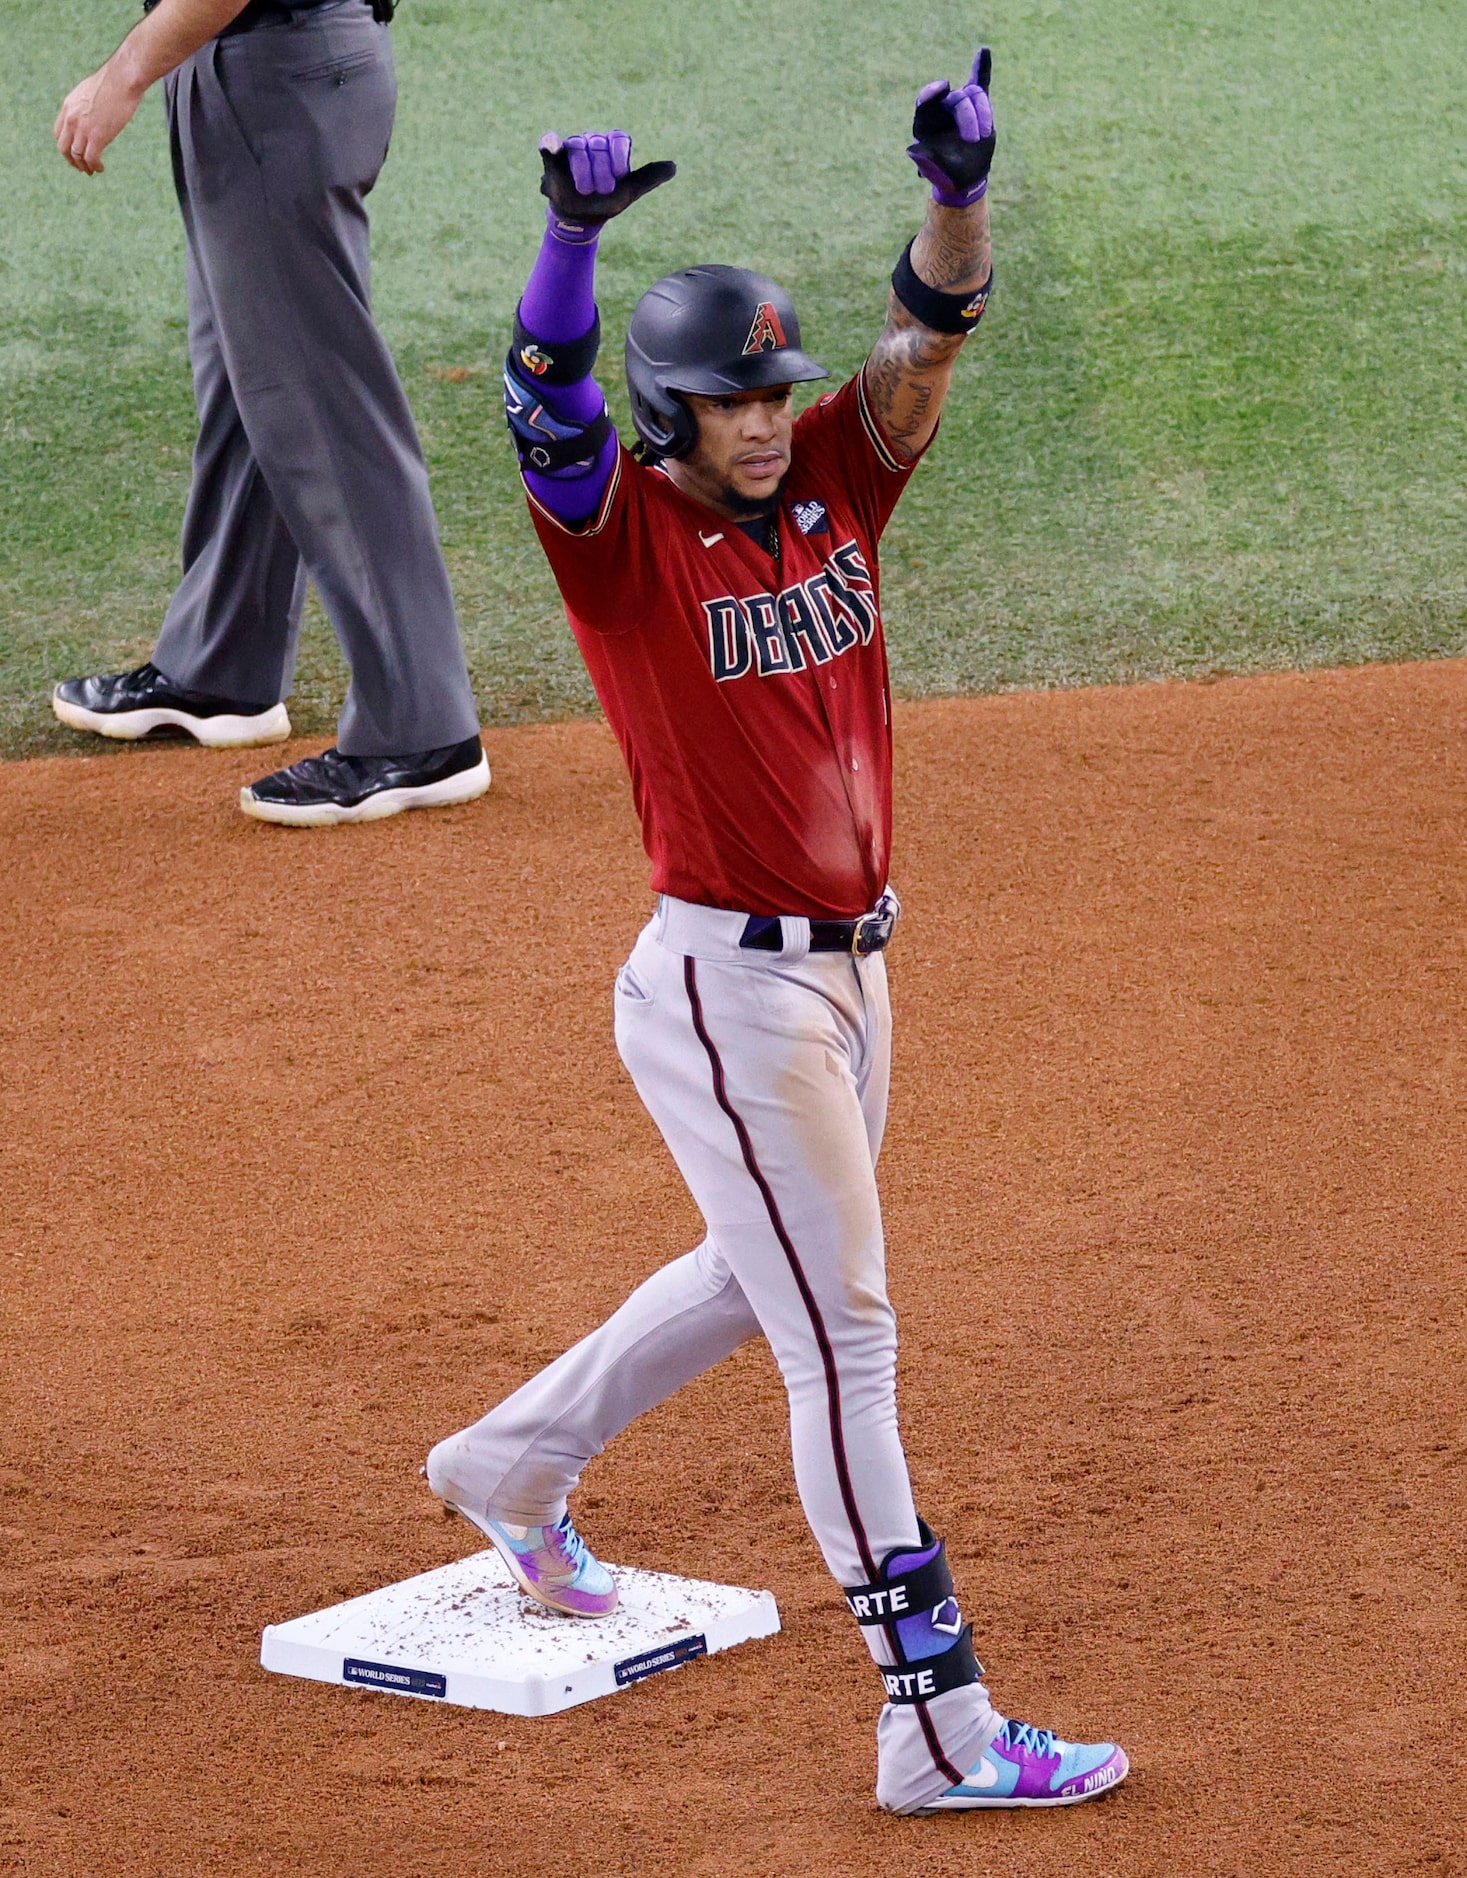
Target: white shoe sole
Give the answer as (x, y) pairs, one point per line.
(463, 787)
(215, 733)
(517, 1572)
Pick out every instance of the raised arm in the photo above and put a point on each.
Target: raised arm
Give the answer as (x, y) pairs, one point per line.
(942, 282)
(557, 413)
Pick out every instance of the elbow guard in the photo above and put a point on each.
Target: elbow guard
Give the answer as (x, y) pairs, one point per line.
(544, 442)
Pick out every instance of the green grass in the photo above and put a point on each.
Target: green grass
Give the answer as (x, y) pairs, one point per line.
(1213, 421)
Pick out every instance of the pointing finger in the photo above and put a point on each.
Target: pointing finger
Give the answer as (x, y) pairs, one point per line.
(982, 68)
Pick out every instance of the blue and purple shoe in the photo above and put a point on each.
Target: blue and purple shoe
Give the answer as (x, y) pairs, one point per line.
(552, 1563)
(1026, 1766)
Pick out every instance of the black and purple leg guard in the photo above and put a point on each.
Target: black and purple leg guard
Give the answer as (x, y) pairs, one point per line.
(913, 1604)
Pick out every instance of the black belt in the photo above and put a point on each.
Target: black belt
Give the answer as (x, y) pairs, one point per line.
(870, 933)
(271, 13)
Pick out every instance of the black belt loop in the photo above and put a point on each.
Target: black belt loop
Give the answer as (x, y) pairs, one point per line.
(762, 934)
(872, 932)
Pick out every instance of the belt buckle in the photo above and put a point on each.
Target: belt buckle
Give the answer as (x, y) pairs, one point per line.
(872, 932)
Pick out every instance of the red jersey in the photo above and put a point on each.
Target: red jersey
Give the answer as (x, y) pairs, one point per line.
(750, 696)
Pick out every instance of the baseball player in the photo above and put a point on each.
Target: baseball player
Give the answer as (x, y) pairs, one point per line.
(307, 460)
(722, 585)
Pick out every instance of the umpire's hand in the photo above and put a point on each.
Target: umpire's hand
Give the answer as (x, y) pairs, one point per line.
(94, 112)
(104, 104)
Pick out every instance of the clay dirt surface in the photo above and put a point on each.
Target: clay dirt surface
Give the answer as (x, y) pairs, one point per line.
(315, 1143)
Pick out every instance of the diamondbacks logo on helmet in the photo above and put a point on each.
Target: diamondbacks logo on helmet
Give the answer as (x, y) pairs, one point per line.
(766, 334)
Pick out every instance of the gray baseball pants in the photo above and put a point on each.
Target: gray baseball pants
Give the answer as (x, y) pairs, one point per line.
(307, 461)
(767, 1076)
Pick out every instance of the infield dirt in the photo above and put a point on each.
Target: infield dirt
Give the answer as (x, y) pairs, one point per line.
(316, 1143)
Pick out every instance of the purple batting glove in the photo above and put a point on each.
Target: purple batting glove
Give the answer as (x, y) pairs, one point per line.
(589, 178)
(955, 137)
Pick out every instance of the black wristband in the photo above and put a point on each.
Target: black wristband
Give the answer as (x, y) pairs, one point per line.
(939, 312)
(557, 362)
(957, 1668)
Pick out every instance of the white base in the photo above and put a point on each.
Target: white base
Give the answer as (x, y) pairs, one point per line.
(466, 1634)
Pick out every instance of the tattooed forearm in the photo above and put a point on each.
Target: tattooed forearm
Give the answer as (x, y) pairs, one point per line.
(906, 377)
(908, 372)
(952, 249)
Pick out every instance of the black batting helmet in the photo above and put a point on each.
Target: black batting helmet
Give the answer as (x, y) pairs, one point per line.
(711, 330)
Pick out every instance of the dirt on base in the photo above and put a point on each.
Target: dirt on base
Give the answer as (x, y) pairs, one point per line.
(314, 1144)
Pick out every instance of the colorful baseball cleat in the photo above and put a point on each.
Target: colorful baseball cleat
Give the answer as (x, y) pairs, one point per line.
(1026, 1766)
(552, 1563)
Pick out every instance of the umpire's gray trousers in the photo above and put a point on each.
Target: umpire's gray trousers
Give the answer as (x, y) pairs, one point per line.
(307, 460)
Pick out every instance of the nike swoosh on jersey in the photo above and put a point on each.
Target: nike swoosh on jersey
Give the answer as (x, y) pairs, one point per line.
(709, 541)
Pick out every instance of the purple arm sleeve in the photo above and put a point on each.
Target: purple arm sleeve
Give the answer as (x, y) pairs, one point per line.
(560, 300)
(559, 303)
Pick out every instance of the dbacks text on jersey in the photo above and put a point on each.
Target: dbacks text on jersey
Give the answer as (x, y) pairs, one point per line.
(810, 623)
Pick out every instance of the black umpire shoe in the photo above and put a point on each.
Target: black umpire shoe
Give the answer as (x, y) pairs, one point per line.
(134, 704)
(322, 790)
